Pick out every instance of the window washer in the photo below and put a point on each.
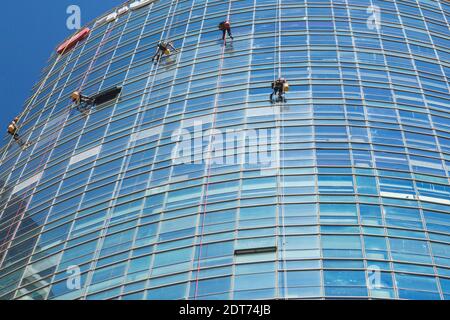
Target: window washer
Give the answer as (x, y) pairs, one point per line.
(82, 103)
(85, 103)
(78, 98)
(280, 87)
(164, 48)
(12, 130)
(225, 26)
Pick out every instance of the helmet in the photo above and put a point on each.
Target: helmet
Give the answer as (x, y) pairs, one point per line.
(12, 128)
(224, 25)
(75, 96)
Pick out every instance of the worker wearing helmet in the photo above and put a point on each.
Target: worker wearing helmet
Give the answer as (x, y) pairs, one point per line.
(82, 103)
(225, 26)
(279, 87)
(78, 98)
(163, 48)
(12, 130)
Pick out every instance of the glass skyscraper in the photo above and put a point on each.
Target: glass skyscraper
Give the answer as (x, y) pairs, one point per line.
(355, 204)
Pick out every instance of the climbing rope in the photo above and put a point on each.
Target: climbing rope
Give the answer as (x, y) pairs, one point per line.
(279, 37)
(167, 33)
(95, 57)
(31, 101)
(282, 172)
(209, 161)
(280, 159)
(44, 157)
(4, 247)
(277, 42)
(137, 124)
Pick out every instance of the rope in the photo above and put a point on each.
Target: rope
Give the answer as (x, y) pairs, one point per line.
(275, 51)
(208, 169)
(282, 203)
(24, 203)
(31, 101)
(94, 59)
(171, 21)
(279, 38)
(165, 36)
(280, 131)
(151, 81)
(137, 124)
(282, 167)
(5, 243)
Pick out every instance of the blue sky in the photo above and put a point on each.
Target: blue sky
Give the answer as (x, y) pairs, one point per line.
(31, 30)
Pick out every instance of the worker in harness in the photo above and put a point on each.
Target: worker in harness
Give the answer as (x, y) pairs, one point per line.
(280, 87)
(225, 26)
(12, 130)
(82, 103)
(163, 48)
(78, 98)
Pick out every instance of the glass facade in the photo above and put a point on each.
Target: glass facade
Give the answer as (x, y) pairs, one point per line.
(98, 208)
